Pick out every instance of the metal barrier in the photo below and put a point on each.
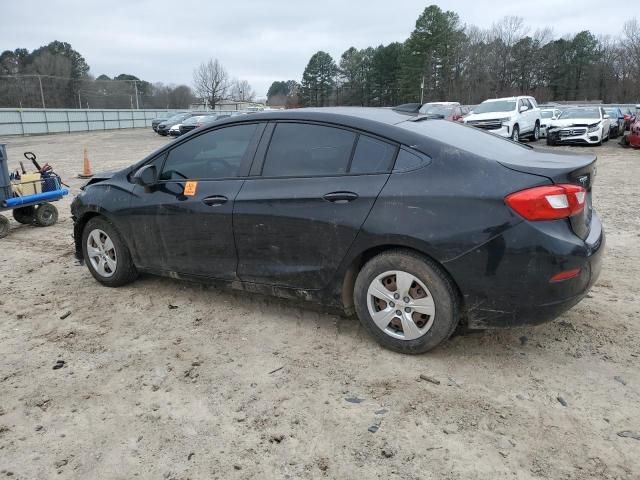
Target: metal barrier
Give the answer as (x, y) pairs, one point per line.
(35, 121)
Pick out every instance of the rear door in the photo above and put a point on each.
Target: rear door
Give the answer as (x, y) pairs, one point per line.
(183, 223)
(314, 187)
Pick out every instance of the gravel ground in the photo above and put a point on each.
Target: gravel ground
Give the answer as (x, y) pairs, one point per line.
(167, 379)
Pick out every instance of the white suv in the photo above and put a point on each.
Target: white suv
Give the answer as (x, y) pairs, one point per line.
(513, 117)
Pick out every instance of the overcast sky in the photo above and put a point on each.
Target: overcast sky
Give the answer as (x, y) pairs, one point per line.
(258, 40)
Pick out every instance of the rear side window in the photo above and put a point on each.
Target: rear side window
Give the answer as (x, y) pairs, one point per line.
(372, 156)
(215, 154)
(299, 149)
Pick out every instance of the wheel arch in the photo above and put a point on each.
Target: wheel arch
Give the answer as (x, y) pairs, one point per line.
(81, 222)
(349, 277)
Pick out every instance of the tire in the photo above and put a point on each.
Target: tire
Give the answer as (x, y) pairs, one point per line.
(122, 270)
(4, 226)
(515, 135)
(46, 215)
(429, 330)
(535, 136)
(549, 141)
(25, 215)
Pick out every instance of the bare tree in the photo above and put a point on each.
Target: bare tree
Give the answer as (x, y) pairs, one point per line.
(211, 81)
(241, 91)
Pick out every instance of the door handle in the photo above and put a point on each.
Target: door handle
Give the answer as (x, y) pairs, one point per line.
(340, 197)
(215, 200)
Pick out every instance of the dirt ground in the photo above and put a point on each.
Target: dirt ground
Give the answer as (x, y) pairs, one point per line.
(165, 379)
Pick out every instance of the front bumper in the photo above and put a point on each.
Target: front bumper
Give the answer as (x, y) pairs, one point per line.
(506, 282)
(587, 138)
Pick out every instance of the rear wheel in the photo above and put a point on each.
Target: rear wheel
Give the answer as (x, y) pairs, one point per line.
(515, 135)
(4, 226)
(406, 301)
(106, 254)
(46, 215)
(25, 215)
(535, 136)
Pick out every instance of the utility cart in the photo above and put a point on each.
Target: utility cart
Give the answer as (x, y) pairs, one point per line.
(28, 194)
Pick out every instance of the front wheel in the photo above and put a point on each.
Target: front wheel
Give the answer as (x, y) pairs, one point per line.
(515, 135)
(106, 254)
(406, 301)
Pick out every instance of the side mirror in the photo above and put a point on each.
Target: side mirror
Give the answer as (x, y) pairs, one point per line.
(146, 176)
(524, 108)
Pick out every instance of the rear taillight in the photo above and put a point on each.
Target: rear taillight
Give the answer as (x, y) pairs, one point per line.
(551, 202)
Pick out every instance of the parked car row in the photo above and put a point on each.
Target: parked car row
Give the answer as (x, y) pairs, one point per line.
(521, 117)
(183, 122)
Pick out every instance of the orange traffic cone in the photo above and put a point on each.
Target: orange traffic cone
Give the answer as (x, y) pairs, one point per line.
(86, 166)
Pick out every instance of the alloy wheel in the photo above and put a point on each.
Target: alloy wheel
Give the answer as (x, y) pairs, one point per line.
(401, 305)
(102, 253)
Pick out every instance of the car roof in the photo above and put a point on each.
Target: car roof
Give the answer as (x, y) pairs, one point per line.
(376, 121)
(441, 103)
(345, 115)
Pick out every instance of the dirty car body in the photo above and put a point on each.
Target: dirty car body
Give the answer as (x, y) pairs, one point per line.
(436, 188)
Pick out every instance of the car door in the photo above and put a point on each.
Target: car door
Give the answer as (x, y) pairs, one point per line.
(314, 187)
(528, 115)
(183, 223)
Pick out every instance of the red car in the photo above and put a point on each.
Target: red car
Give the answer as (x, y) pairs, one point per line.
(633, 139)
(629, 117)
(447, 110)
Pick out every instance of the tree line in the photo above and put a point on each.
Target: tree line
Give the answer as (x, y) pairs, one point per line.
(58, 76)
(444, 60)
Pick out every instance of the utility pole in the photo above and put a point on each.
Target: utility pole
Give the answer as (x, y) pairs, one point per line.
(135, 86)
(79, 102)
(422, 91)
(41, 91)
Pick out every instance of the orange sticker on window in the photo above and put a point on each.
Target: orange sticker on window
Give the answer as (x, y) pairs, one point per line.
(190, 188)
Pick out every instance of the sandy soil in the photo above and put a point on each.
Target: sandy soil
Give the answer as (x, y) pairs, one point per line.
(166, 379)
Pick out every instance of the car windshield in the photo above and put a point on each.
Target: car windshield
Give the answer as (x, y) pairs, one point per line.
(546, 113)
(435, 109)
(612, 112)
(495, 106)
(580, 113)
(176, 118)
(194, 120)
(474, 140)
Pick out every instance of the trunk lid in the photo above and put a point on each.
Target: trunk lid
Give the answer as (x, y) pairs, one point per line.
(575, 168)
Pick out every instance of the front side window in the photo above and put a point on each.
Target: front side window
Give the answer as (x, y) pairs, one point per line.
(214, 154)
(299, 149)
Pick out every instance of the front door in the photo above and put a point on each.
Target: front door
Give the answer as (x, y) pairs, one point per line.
(294, 223)
(184, 223)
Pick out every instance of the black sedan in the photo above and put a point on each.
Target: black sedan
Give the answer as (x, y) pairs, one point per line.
(163, 127)
(416, 225)
(157, 121)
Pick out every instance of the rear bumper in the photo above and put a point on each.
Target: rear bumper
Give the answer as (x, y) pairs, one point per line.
(506, 282)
